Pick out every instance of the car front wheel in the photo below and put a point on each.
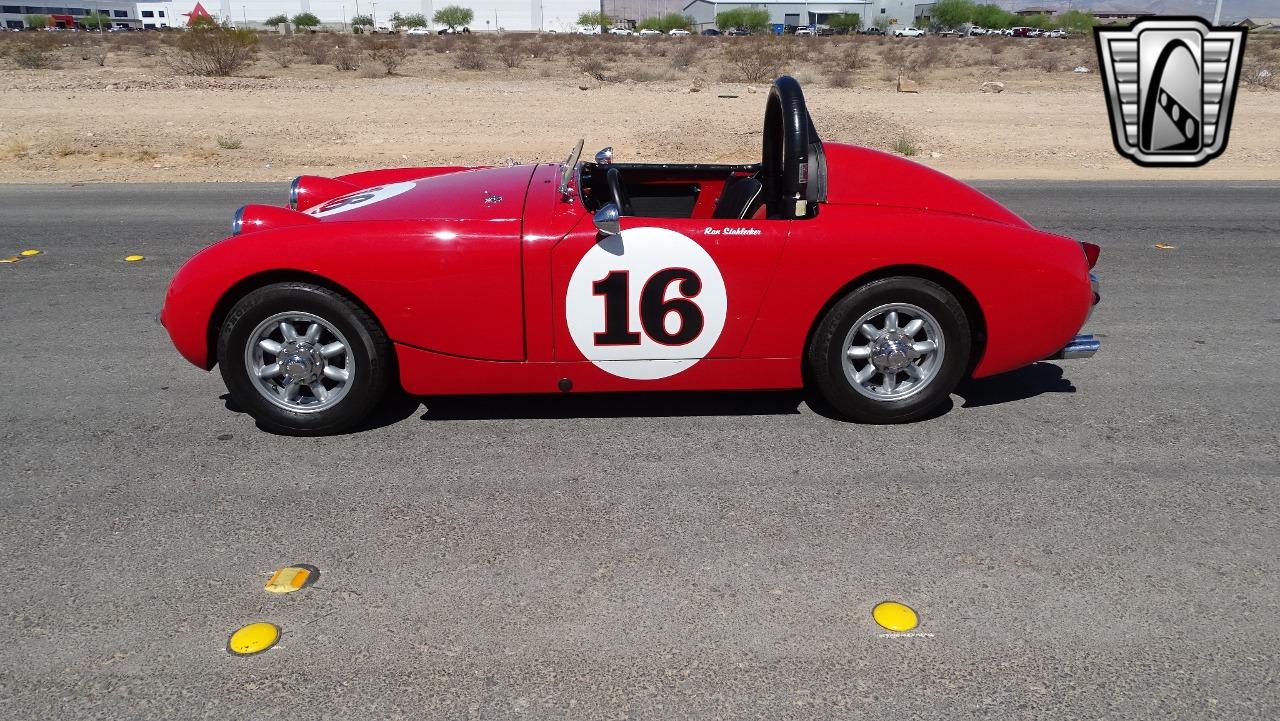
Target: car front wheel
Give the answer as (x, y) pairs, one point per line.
(890, 351)
(302, 359)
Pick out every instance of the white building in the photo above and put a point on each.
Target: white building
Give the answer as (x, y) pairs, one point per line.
(71, 14)
(155, 15)
(797, 13)
(490, 15)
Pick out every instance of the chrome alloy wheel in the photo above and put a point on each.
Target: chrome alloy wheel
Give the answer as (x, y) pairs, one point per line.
(893, 351)
(299, 361)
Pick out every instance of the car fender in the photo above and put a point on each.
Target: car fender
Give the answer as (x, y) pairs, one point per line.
(448, 286)
(1031, 288)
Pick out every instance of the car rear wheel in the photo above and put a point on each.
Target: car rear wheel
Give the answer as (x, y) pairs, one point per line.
(302, 359)
(890, 351)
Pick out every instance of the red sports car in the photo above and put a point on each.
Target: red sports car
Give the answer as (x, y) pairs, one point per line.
(876, 281)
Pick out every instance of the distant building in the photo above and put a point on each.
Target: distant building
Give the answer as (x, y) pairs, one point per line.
(122, 14)
(1027, 12)
(155, 15)
(1260, 24)
(1118, 17)
(797, 13)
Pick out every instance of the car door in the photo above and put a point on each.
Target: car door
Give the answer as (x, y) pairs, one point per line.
(661, 295)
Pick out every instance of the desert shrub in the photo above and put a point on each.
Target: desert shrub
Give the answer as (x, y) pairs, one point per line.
(641, 74)
(797, 49)
(930, 53)
(849, 57)
(33, 51)
(390, 54)
(470, 58)
(344, 57)
(757, 60)
(897, 58)
(15, 147)
(215, 51)
(372, 69)
(510, 53)
(228, 142)
(1262, 77)
(684, 55)
(62, 147)
(316, 50)
(590, 61)
(905, 146)
(284, 52)
(839, 79)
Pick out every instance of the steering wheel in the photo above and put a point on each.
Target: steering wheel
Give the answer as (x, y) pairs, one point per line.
(788, 134)
(613, 177)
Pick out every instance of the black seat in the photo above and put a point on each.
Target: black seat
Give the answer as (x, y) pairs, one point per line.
(739, 200)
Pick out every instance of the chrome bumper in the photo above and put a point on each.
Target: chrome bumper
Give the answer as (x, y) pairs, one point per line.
(1082, 346)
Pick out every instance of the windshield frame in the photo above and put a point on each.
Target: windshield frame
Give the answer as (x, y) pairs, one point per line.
(570, 165)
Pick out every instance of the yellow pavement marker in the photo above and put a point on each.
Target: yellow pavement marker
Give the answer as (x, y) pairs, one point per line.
(133, 258)
(1165, 246)
(895, 616)
(14, 259)
(254, 638)
(292, 578)
(29, 253)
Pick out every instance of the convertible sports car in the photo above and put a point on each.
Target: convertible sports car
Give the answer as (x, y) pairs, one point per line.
(875, 281)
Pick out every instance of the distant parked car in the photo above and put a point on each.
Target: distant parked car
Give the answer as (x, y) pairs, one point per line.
(620, 31)
(1022, 31)
(649, 31)
(873, 30)
(679, 31)
(908, 32)
(824, 30)
(587, 30)
(804, 32)
(738, 32)
(975, 30)
(417, 31)
(950, 33)
(1059, 33)
(711, 31)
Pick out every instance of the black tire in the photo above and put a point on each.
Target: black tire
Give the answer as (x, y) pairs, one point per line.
(826, 352)
(368, 346)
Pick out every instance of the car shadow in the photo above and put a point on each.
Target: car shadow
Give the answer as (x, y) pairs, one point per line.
(1016, 385)
(613, 405)
(394, 408)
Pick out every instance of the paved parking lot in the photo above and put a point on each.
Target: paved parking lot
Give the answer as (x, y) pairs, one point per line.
(1085, 539)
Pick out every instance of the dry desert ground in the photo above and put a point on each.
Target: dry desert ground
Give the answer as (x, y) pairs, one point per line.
(90, 108)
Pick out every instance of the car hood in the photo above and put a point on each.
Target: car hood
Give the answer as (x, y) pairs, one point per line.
(478, 194)
(861, 176)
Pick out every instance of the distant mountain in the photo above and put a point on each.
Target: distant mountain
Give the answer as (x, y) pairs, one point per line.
(1232, 10)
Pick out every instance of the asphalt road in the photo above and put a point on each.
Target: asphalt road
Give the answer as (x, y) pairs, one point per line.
(1087, 539)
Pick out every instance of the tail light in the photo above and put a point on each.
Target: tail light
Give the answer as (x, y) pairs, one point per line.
(1091, 252)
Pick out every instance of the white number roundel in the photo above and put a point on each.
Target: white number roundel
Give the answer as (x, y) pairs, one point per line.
(360, 199)
(645, 304)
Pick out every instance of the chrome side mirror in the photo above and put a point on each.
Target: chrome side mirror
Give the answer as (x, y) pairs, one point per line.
(605, 157)
(606, 219)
